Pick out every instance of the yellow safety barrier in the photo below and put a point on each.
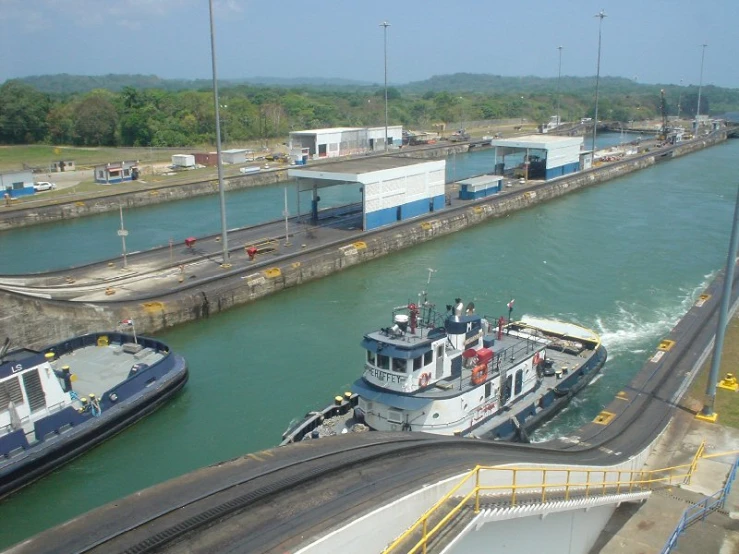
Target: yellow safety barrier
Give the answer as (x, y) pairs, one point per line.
(576, 482)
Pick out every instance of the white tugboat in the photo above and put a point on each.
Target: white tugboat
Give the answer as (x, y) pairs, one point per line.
(458, 373)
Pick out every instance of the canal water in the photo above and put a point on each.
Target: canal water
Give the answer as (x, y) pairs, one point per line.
(625, 258)
(94, 238)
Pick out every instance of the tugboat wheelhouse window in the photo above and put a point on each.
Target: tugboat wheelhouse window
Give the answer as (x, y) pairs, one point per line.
(383, 362)
(400, 365)
(488, 387)
(519, 381)
(371, 357)
(10, 391)
(508, 388)
(428, 357)
(417, 363)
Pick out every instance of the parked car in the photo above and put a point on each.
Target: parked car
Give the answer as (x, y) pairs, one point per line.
(276, 157)
(43, 185)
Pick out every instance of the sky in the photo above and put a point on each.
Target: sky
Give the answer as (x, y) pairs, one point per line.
(651, 41)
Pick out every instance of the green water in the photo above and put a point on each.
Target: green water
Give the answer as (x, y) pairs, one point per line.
(625, 258)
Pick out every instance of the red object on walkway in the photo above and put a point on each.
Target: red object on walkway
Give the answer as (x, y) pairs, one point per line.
(190, 241)
(251, 252)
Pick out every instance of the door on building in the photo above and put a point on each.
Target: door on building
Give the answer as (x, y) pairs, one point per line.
(322, 151)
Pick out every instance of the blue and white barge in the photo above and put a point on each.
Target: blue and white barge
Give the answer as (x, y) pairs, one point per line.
(59, 402)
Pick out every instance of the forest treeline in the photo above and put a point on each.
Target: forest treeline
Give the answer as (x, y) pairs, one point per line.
(148, 111)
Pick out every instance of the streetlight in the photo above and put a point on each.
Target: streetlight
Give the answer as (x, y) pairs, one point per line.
(700, 85)
(601, 15)
(384, 26)
(123, 233)
(221, 193)
(559, 77)
(679, 101)
(707, 413)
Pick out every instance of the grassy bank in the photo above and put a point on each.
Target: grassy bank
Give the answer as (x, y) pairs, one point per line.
(41, 156)
(727, 402)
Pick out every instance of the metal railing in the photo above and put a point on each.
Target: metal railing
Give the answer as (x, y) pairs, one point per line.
(700, 510)
(540, 485)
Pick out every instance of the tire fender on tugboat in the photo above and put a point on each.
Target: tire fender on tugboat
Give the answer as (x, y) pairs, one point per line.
(424, 379)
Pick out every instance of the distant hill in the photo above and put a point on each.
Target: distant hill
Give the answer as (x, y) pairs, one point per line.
(484, 83)
(65, 83)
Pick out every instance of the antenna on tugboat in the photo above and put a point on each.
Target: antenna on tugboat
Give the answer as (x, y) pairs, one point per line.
(428, 282)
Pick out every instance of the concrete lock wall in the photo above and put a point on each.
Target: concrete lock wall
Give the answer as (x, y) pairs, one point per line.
(37, 322)
(22, 217)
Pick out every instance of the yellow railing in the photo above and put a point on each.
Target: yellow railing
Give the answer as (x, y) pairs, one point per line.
(583, 483)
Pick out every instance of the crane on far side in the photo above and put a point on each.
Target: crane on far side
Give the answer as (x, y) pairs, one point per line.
(663, 112)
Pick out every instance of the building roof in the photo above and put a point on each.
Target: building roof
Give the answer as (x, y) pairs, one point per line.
(327, 130)
(481, 180)
(543, 142)
(117, 164)
(355, 167)
(342, 129)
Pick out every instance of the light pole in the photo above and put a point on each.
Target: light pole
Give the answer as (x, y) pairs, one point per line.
(123, 233)
(384, 26)
(700, 85)
(601, 15)
(559, 78)
(221, 193)
(679, 101)
(707, 412)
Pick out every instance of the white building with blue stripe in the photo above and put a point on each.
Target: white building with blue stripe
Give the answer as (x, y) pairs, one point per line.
(392, 189)
(537, 156)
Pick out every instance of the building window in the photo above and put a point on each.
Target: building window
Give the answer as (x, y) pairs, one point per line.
(394, 417)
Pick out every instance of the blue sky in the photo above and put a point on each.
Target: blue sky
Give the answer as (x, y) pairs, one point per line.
(653, 41)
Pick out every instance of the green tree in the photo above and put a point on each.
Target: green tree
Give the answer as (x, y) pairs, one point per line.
(23, 113)
(95, 120)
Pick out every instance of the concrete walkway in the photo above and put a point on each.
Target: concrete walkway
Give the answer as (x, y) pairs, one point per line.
(644, 529)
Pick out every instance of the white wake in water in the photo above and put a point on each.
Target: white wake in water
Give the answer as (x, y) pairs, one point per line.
(632, 332)
(634, 329)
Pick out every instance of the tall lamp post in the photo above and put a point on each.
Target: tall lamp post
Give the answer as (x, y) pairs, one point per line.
(221, 193)
(559, 78)
(700, 86)
(707, 413)
(384, 26)
(601, 15)
(679, 100)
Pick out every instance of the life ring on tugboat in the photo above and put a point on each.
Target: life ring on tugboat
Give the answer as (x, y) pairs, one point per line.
(479, 374)
(424, 379)
(537, 359)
